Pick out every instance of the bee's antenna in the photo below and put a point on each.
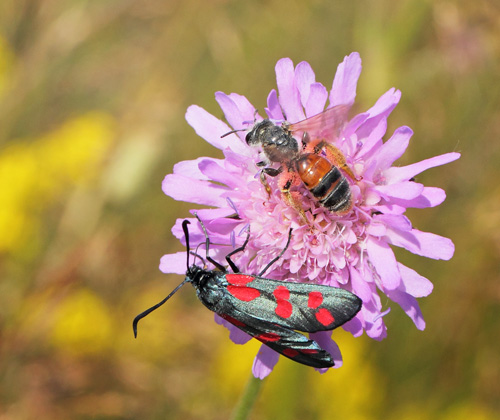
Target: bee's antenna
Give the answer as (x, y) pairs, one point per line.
(242, 129)
(233, 131)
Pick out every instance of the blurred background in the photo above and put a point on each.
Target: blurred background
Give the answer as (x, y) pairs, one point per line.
(92, 102)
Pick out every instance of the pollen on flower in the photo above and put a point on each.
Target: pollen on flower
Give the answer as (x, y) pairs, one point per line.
(247, 190)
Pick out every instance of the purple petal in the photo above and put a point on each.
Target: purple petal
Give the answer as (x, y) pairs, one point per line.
(384, 261)
(218, 230)
(317, 99)
(213, 171)
(182, 188)
(380, 111)
(246, 109)
(425, 244)
(355, 123)
(360, 286)
(393, 148)
(406, 190)
(399, 222)
(264, 362)
(173, 263)
(376, 229)
(376, 328)
(371, 197)
(346, 78)
(209, 214)
(430, 197)
(304, 78)
(374, 324)
(354, 326)
(404, 173)
(324, 339)
(386, 103)
(211, 129)
(415, 284)
(288, 94)
(236, 335)
(231, 111)
(273, 109)
(235, 117)
(382, 314)
(410, 305)
(373, 140)
(390, 208)
(191, 169)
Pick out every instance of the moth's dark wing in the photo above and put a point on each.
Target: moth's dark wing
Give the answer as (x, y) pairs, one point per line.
(301, 306)
(289, 343)
(325, 125)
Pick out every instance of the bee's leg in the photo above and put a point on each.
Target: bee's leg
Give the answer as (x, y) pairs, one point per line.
(292, 198)
(306, 138)
(271, 172)
(335, 156)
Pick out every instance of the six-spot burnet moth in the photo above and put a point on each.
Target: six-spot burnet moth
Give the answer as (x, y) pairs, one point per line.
(268, 310)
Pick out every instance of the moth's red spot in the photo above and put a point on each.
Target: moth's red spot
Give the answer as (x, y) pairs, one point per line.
(290, 352)
(309, 351)
(284, 308)
(315, 299)
(239, 279)
(233, 321)
(243, 293)
(268, 337)
(325, 317)
(281, 292)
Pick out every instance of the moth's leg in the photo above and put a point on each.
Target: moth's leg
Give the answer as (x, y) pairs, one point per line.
(233, 266)
(207, 246)
(279, 256)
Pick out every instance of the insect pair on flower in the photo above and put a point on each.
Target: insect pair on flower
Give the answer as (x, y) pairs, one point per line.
(354, 203)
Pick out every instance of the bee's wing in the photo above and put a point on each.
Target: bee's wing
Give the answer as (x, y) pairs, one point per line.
(325, 125)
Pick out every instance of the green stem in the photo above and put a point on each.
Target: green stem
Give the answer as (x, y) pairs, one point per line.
(247, 399)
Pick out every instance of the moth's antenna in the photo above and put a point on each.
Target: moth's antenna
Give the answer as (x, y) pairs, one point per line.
(186, 234)
(148, 311)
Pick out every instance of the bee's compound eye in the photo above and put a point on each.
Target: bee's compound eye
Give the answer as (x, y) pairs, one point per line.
(248, 137)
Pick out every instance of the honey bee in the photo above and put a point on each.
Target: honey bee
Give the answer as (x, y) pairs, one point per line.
(318, 164)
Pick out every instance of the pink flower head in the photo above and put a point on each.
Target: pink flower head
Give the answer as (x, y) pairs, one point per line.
(352, 251)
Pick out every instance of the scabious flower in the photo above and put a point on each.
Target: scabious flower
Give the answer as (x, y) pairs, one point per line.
(351, 251)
